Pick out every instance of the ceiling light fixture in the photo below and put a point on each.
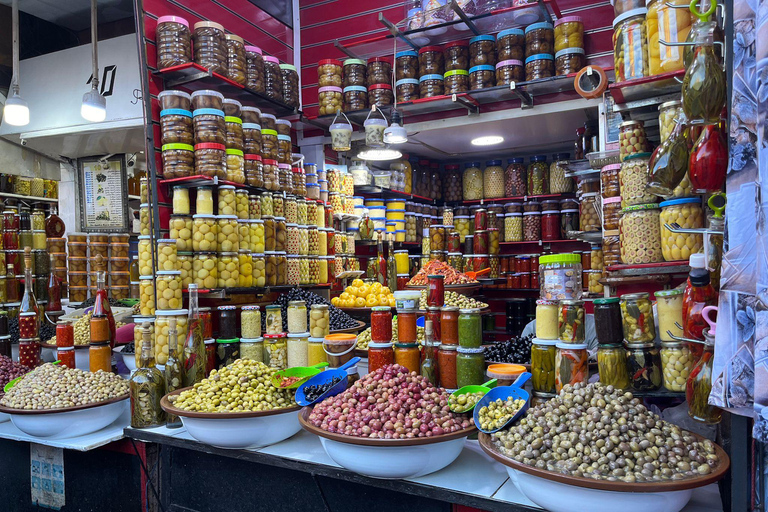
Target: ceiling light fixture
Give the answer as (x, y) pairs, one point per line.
(487, 140)
(16, 110)
(378, 154)
(94, 107)
(395, 133)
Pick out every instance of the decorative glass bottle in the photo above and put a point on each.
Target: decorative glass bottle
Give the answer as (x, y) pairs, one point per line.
(194, 345)
(172, 373)
(147, 387)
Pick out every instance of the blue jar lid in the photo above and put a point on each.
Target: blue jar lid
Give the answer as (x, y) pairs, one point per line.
(358, 88)
(404, 81)
(471, 164)
(430, 77)
(516, 160)
(684, 200)
(540, 25)
(482, 38)
(539, 158)
(490, 163)
(510, 32)
(407, 53)
(483, 67)
(539, 56)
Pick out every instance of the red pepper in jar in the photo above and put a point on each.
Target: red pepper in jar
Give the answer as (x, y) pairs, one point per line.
(436, 290)
(66, 356)
(525, 280)
(454, 242)
(28, 325)
(481, 219)
(480, 262)
(381, 324)
(434, 314)
(481, 242)
(406, 326)
(515, 280)
(448, 326)
(709, 161)
(446, 365)
(206, 321)
(65, 335)
(701, 295)
(379, 355)
(402, 281)
(524, 264)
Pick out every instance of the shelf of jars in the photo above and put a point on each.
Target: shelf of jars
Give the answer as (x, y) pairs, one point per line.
(31, 199)
(220, 293)
(387, 193)
(194, 77)
(645, 91)
(664, 267)
(411, 33)
(207, 181)
(517, 198)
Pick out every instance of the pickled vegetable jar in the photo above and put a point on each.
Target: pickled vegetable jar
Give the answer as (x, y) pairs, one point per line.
(543, 354)
(538, 175)
(611, 212)
(640, 235)
(676, 364)
(470, 366)
(558, 182)
(632, 139)
(612, 365)
(473, 181)
(644, 366)
(569, 33)
(470, 328)
(547, 327)
(669, 307)
(570, 319)
(688, 214)
(609, 180)
(637, 318)
(608, 323)
(633, 179)
(668, 113)
(589, 213)
(571, 366)
(493, 179)
(670, 24)
(630, 45)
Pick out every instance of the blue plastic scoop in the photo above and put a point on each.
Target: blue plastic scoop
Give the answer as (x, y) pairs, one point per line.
(325, 378)
(514, 392)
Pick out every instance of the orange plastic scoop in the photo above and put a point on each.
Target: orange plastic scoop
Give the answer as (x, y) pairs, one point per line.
(473, 275)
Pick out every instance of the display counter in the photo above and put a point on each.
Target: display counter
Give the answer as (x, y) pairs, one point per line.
(299, 473)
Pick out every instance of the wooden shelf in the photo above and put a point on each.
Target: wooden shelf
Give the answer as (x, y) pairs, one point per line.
(518, 198)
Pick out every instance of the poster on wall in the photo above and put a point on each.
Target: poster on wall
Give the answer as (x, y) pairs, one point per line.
(102, 193)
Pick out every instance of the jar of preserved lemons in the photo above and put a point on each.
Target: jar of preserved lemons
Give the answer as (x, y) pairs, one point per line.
(630, 45)
(147, 295)
(245, 278)
(166, 254)
(205, 271)
(256, 228)
(204, 201)
(229, 270)
(266, 204)
(688, 214)
(184, 265)
(146, 256)
(168, 290)
(162, 326)
(227, 202)
(669, 24)
(259, 269)
(472, 182)
(244, 234)
(241, 204)
(181, 230)
(228, 239)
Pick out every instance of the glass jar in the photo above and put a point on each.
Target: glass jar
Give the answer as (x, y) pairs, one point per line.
(329, 73)
(379, 71)
(254, 171)
(235, 58)
(609, 179)
(431, 61)
(569, 60)
(472, 181)
(146, 256)
(640, 235)
(547, 319)
(509, 71)
(538, 175)
(633, 178)
(513, 227)
(493, 179)
(510, 45)
(671, 24)
(380, 95)
(531, 226)
(608, 322)
(162, 326)
(612, 365)
(539, 39)
(558, 182)
(407, 90)
(470, 328)
(644, 366)
(354, 73)
(611, 248)
(470, 366)
(688, 214)
(271, 175)
(571, 365)
(482, 51)
(569, 33)
(178, 160)
(611, 212)
(297, 316)
(174, 42)
(456, 55)
(168, 290)
(452, 183)
(677, 360)
(632, 139)
(540, 65)
(273, 78)
(228, 237)
(550, 225)
(668, 113)
(210, 46)
(276, 351)
(330, 100)
(589, 213)
(254, 69)
(446, 362)
(482, 77)
(637, 318)
(456, 81)
(669, 307)
(543, 354)
(571, 321)
(630, 45)
(356, 98)
(210, 160)
(407, 65)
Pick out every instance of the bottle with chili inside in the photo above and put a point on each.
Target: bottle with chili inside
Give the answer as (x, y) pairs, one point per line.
(381, 324)
(28, 307)
(172, 373)
(54, 289)
(436, 291)
(702, 295)
(429, 367)
(433, 315)
(101, 305)
(381, 261)
(194, 358)
(699, 383)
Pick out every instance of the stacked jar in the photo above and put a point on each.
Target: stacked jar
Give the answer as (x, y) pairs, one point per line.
(210, 133)
(630, 45)
(177, 134)
(569, 45)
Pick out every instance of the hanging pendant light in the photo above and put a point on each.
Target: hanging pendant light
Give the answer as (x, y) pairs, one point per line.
(16, 109)
(396, 133)
(94, 106)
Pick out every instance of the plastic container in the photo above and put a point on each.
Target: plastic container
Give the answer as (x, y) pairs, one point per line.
(456, 55)
(630, 45)
(380, 94)
(291, 90)
(688, 214)
(273, 78)
(560, 276)
(569, 33)
(482, 77)
(510, 45)
(354, 73)
(431, 61)
(235, 58)
(254, 69)
(482, 51)
(456, 81)
(173, 40)
(210, 46)
(329, 73)
(539, 39)
(509, 71)
(569, 60)
(540, 65)
(379, 71)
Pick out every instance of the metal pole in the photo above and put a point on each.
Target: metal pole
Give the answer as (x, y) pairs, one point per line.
(94, 45)
(15, 30)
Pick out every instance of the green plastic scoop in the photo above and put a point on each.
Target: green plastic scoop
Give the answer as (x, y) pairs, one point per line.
(13, 382)
(303, 372)
(473, 388)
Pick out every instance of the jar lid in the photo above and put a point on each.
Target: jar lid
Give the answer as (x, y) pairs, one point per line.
(609, 200)
(450, 348)
(423, 78)
(461, 42)
(539, 56)
(640, 11)
(274, 336)
(207, 92)
(267, 161)
(484, 37)
(607, 300)
(334, 62)
(254, 49)
(253, 157)
(639, 344)
(514, 214)
(380, 59)
(632, 122)
(248, 340)
(455, 72)
(200, 216)
(425, 49)
(540, 158)
(666, 104)
(464, 350)
(270, 58)
(233, 37)
(483, 67)
(684, 200)
(469, 311)
(501, 370)
(406, 53)
(510, 32)
(210, 145)
(402, 81)
(559, 258)
(329, 88)
(511, 62)
(569, 51)
(571, 346)
(172, 19)
(531, 213)
(228, 340)
(611, 167)
(381, 308)
(634, 296)
(569, 19)
(172, 312)
(640, 207)
(669, 293)
(350, 62)
(379, 86)
(538, 26)
(233, 151)
(175, 145)
(207, 24)
(298, 335)
(491, 163)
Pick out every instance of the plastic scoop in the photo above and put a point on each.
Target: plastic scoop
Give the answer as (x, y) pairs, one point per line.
(473, 388)
(325, 378)
(473, 275)
(515, 391)
(304, 372)
(13, 382)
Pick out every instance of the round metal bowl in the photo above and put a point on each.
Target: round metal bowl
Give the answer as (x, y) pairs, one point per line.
(237, 430)
(68, 421)
(389, 458)
(564, 493)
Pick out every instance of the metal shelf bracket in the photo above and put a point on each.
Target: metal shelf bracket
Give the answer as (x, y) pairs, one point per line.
(396, 32)
(526, 99)
(461, 14)
(675, 228)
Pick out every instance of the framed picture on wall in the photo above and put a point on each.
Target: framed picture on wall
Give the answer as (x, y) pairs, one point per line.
(102, 194)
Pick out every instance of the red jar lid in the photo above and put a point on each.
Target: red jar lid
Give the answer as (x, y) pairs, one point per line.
(430, 49)
(270, 162)
(463, 42)
(329, 61)
(253, 157)
(380, 59)
(210, 145)
(379, 86)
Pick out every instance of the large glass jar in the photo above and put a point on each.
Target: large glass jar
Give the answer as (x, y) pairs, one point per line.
(456, 55)
(355, 98)
(539, 39)
(543, 353)
(608, 323)
(290, 77)
(482, 51)
(644, 366)
(637, 318)
(611, 213)
(669, 307)
(254, 69)
(541, 65)
(380, 95)
(510, 44)
(456, 81)
(407, 65)
(431, 61)
(493, 179)
(688, 214)
(210, 160)
(473, 181)
(174, 42)
(609, 179)
(668, 113)
(633, 178)
(470, 328)
(509, 71)
(379, 71)
(470, 366)
(569, 33)
(531, 226)
(630, 45)
(235, 58)
(452, 183)
(640, 235)
(538, 176)
(431, 85)
(558, 182)
(355, 72)
(677, 360)
(550, 225)
(210, 46)
(569, 60)
(482, 77)
(513, 227)
(571, 364)
(273, 78)
(632, 139)
(329, 73)
(407, 90)
(612, 365)
(271, 175)
(670, 24)
(330, 100)
(515, 178)
(570, 318)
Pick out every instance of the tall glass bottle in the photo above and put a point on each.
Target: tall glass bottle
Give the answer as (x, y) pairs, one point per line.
(194, 345)
(429, 368)
(11, 284)
(101, 304)
(54, 289)
(54, 226)
(709, 161)
(172, 372)
(714, 249)
(28, 301)
(146, 385)
(381, 261)
(391, 272)
(669, 161)
(699, 383)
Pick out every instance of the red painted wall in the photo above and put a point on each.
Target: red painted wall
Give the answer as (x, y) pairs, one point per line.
(323, 21)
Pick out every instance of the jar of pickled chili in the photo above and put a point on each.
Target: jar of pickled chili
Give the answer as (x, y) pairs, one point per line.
(434, 314)
(449, 325)
(446, 366)
(381, 324)
(436, 290)
(380, 355)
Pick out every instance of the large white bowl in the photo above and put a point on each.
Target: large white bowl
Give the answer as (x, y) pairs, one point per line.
(129, 360)
(390, 459)
(70, 422)
(237, 431)
(4, 417)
